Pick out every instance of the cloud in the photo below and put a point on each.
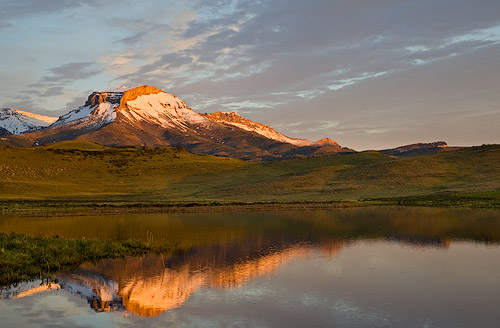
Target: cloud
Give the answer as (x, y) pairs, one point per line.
(306, 61)
(4, 25)
(48, 92)
(140, 30)
(76, 102)
(71, 71)
(305, 127)
(12, 9)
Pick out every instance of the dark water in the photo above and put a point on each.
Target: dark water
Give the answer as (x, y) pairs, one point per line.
(360, 267)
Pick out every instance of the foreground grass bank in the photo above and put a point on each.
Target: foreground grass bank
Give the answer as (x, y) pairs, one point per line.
(23, 258)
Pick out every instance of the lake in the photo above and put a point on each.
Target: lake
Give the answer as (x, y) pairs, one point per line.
(353, 267)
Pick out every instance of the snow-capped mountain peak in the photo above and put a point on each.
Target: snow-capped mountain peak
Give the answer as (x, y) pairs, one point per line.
(101, 107)
(143, 103)
(148, 116)
(17, 121)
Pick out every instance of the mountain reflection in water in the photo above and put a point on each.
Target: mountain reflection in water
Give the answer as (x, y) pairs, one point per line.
(231, 249)
(151, 285)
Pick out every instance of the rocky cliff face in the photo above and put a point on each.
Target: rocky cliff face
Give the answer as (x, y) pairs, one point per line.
(120, 96)
(4, 132)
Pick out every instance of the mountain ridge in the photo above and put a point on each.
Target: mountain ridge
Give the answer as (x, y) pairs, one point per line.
(148, 116)
(237, 120)
(16, 121)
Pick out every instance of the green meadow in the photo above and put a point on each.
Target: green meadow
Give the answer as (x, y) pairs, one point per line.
(80, 174)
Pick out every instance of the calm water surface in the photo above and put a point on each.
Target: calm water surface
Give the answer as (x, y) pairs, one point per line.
(359, 267)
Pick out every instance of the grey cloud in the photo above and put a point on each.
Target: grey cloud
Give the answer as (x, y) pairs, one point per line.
(4, 25)
(163, 63)
(15, 8)
(173, 59)
(53, 113)
(350, 62)
(140, 29)
(71, 71)
(308, 46)
(76, 102)
(53, 91)
(303, 40)
(132, 39)
(48, 92)
(27, 105)
(196, 28)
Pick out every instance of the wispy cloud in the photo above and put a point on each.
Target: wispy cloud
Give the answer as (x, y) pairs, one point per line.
(71, 71)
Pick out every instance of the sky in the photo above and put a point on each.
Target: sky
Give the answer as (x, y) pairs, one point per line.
(369, 74)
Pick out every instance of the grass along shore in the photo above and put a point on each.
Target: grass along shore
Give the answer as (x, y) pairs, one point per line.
(35, 208)
(24, 258)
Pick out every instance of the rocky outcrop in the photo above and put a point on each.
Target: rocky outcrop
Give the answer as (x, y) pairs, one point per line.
(97, 98)
(4, 132)
(120, 96)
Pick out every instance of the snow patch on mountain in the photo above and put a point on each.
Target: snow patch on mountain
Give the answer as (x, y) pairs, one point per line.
(17, 121)
(99, 115)
(162, 108)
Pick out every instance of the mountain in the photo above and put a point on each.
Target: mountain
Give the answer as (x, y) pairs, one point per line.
(418, 149)
(16, 121)
(327, 142)
(234, 119)
(147, 116)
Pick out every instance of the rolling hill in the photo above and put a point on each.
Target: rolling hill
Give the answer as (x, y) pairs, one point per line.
(83, 171)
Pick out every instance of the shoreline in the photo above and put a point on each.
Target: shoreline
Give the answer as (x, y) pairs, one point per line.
(93, 208)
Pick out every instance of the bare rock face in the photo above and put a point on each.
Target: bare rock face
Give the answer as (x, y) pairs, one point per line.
(120, 96)
(97, 98)
(4, 132)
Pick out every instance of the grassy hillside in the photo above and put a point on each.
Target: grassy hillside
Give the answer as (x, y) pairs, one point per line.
(82, 171)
